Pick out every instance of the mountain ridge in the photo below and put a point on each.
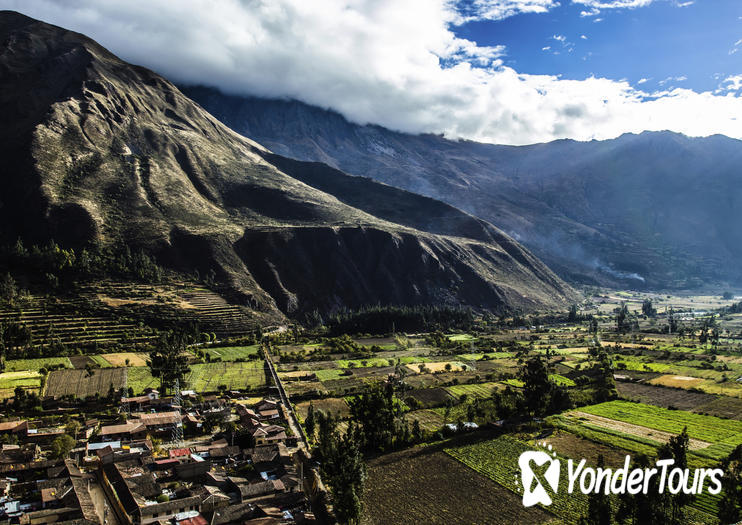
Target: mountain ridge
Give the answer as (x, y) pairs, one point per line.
(632, 211)
(102, 151)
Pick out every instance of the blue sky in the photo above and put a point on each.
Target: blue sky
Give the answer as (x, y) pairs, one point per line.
(500, 71)
(660, 42)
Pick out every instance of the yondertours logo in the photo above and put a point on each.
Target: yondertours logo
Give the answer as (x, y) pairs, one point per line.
(540, 472)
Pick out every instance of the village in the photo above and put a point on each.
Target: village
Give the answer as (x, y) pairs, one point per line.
(160, 466)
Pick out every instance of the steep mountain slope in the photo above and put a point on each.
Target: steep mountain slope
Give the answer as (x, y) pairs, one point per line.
(656, 209)
(98, 150)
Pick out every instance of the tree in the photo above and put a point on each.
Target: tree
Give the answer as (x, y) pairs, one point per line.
(598, 505)
(672, 322)
(168, 361)
(648, 308)
(573, 316)
(342, 468)
(623, 324)
(644, 508)
(309, 422)
(731, 487)
(379, 416)
(537, 388)
(8, 288)
(602, 366)
(62, 445)
(676, 448)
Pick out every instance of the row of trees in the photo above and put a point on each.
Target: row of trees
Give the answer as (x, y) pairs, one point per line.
(65, 265)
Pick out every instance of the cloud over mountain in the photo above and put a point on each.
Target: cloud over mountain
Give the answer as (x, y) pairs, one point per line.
(398, 64)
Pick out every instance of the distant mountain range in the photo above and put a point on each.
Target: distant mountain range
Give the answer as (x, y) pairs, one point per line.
(655, 210)
(98, 150)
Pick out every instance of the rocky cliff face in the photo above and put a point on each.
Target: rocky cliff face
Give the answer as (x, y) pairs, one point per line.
(650, 210)
(98, 150)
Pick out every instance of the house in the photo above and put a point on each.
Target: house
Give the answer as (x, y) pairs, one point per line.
(129, 431)
(260, 489)
(14, 427)
(158, 421)
(269, 434)
(135, 494)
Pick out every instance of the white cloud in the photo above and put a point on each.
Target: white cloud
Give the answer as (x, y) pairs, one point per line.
(498, 9)
(735, 47)
(545, 48)
(390, 62)
(643, 81)
(731, 83)
(596, 6)
(583, 37)
(559, 38)
(669, 80)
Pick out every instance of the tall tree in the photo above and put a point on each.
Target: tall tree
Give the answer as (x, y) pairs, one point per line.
(379, 415)
(168, 360)
(598, 505)
(537, 388)
(731, 484)
(676, 448)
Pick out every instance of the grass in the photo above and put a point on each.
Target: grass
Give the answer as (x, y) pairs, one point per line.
(561, 380)
(233, 353)
(16, 365)
(24, 378)
(328, 374)
(482, 390)
(514, 382)
(461, 337)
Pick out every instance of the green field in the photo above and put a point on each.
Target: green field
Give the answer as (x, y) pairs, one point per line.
(26, 378)
(233, 353)
(497, 459)
(15, 365)
(514, 382)
(489, 355)
(206, 377)
(482, 390)
(561, 380)
(328, 374)
(379, 361)
(461, 338)
(723, 434)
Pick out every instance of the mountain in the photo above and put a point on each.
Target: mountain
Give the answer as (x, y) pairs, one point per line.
(96, 150)
(653, 210)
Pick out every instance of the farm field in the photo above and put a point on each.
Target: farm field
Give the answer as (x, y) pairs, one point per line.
(482, 390)
(16, 365)
(81, 383)
(722, 435)
(338, 407)
(670, 397)
(27, 379)
(233, 353)
(497, 459)
(429, 420)
(120, 359)
(426, 486)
